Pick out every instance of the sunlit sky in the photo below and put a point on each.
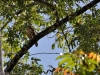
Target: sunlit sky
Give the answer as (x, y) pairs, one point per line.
(44, 46)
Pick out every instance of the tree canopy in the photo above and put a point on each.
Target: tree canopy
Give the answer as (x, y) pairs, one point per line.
(75, 24)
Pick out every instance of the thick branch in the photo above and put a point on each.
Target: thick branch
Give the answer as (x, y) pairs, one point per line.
(40, 35)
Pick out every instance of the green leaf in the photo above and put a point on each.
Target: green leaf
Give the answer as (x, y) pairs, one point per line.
(91, 68)
(65, 60)
(53, 46)
(63, 56)
(72, 65)
(92, 61)
(68, 65)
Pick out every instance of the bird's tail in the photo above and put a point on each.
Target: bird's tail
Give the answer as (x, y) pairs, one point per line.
(36, 44)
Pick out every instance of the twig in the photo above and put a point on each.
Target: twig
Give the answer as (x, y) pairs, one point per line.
(65, 39)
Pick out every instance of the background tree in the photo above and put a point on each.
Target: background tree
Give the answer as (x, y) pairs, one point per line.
(76, 32)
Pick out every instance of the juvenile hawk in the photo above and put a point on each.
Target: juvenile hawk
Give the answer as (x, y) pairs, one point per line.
(31, 33)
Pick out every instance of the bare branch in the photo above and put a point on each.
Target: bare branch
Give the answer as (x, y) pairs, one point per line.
(40, 35)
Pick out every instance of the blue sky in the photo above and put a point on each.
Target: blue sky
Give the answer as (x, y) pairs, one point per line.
(44, 45)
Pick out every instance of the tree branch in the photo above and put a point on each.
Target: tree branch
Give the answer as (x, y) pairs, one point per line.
(21, 10)
(67, 44)
(51, 6)
(40, 35)
(17, 13)
(32, 4)
(4, 26)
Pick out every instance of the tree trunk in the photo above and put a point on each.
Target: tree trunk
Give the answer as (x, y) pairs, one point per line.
(1, 65)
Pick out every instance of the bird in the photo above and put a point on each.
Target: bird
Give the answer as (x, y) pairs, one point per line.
(30, 32)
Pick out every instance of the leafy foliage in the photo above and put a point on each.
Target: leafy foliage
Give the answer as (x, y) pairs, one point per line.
(28, 68)
(81, 33)
(79, 61)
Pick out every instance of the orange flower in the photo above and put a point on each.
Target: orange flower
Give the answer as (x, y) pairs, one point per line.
(65, 72)
(90, 54)
(94, 56)
(57, 69)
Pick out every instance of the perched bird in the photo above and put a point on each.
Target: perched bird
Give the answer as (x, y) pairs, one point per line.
(30, 32)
